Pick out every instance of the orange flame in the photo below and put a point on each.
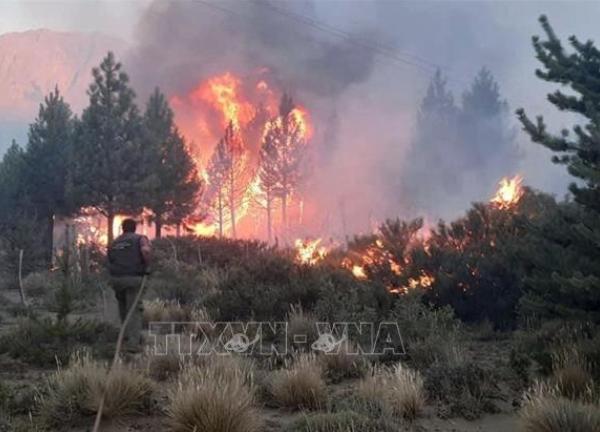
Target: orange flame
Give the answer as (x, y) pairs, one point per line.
(309, 252)
(509, 193)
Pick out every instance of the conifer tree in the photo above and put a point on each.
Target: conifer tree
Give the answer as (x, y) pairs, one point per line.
(573, 291)
(283, 155)
(487, 140)
(429, 175)
(108, 158)
(228, 177)
(46, 163)
(172, 185)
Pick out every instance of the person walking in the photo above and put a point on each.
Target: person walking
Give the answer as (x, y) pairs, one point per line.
(128, 263)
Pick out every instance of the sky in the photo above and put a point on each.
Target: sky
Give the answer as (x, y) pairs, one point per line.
(113, 17)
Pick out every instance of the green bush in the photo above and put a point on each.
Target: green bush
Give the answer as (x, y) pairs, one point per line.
(465, 389)
(44, 341)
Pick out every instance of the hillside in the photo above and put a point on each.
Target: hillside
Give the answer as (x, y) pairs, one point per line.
(33, 62)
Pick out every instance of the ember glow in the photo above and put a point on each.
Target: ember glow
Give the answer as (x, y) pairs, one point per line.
(509, 193)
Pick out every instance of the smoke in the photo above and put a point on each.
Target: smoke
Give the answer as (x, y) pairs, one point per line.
(362, 77)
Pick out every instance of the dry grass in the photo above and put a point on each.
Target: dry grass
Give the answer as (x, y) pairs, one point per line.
(544, 410)
(345, 362)
(158, 310)
(77, 390)
(571, 375)
(398, 391)
(301, 385)
(406, 393)
(301, 325)
(214, 398)
(165, 366)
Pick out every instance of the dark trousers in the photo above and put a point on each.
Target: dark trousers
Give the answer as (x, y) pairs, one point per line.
(126, 289)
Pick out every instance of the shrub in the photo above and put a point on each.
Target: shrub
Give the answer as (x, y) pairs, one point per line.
(398, 391)
(545, 411)
(301, 325)
(76, 391)
(175, 281)
(163, 367)
(570, 374)
(43, 341)
(301, 385)
(344, 362)
(466, 388)
(406, 393)
(206, 399)
(262, 288)
(430, 334)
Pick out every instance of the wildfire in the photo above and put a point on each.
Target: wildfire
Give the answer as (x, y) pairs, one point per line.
(309, 252)
(359, 272)
(251, 103)
(509, 193)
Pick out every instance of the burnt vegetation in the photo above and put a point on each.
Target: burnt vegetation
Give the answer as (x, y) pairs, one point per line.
(502, 300)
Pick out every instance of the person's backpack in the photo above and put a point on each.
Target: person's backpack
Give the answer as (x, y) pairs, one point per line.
(125, 256)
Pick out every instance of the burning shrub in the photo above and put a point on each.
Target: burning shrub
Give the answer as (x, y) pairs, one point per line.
(301, 385)
(77, 391)
(213, 400)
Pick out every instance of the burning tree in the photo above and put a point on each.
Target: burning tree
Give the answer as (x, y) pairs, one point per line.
(282, 158)
(173, 185)
(228, 176)
(108, 164)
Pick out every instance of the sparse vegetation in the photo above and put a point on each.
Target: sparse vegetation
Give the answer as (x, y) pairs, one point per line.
(300, 385)
(75, 392)
(214, 399)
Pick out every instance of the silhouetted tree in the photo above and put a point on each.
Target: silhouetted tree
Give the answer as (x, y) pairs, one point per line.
(108, 160)
(46, 164)
(572, 291)
(173, 184)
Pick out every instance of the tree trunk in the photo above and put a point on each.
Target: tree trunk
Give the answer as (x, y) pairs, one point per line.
(269, 222)
(110, 218)
(220, 215)
(284, 211)
(157, 225)
(232, 203)
(49, 241)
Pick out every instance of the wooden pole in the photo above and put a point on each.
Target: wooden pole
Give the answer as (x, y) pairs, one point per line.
(118, 352)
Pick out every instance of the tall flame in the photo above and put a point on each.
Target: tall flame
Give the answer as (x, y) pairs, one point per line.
(509, 193)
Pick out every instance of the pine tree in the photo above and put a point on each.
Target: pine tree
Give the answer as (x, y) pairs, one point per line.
(283, 155)
(487, 141)
(429, 174)
(173, 184)
(46, 164)
(108, 157)
(572, 291)
(228, 177)
(18, 226)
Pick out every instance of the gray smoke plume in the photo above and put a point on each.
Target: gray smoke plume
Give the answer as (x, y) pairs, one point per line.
(362, 76)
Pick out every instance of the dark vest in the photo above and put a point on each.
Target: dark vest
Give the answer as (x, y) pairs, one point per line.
(125, 256)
